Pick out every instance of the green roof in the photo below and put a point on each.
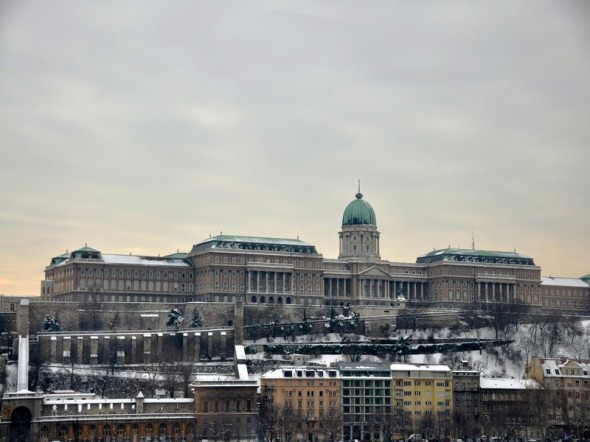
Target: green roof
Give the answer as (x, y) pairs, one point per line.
(471, 255)
(359, 212)
(256, 243)
(86, 253)
(177, 255)
(61, 258)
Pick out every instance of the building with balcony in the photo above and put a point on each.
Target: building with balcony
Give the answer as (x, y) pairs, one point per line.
(425, 395)
(366, 400)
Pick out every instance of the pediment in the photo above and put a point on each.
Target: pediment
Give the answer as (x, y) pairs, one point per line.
(374, 272)
(570, 364)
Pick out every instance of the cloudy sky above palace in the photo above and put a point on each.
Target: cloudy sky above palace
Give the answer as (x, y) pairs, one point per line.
(145, 127)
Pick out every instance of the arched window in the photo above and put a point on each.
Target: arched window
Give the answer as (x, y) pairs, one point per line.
(92, 432)
(106, 431)
(135, 433)
(176, 430)
(44, 434)
(121, 432)
(253, 299)
(149, 430)
(163, 430)
(63, 433)
(262, 299)
(288, 301)
(280, 299)
(190, 431)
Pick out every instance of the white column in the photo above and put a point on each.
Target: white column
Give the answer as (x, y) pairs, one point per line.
(22, 380)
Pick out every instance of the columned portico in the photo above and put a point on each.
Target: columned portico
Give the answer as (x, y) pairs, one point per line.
(496, 290)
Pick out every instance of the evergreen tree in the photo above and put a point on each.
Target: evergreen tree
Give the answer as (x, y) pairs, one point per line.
(197, 319)
(51, 323)
(175, 318)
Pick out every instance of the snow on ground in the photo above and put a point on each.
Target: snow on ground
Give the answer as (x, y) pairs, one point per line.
(508, 361)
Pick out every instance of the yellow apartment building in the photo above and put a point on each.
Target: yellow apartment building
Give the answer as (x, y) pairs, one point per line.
(425, 394)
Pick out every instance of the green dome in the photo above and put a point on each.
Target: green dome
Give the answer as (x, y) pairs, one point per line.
(359, 212)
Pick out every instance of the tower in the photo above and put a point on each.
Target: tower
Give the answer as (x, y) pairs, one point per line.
(359, 237)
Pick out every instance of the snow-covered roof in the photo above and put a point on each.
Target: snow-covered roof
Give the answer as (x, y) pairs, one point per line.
(301, 372)
(180, 400)
(476, 256)
(556, 367)
(563, 282)
(423, 368)
(143, 261)
(242, 370)
(240, 353)
(369, 366)
(133, 260)
(507, 384)
(239, 242)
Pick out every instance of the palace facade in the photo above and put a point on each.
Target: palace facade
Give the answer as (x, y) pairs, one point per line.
(258, 270)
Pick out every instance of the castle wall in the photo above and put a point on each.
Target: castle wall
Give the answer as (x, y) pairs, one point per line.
(124, 348)
(123, 316)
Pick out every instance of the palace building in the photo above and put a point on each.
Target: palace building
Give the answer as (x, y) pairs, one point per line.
(258, 270)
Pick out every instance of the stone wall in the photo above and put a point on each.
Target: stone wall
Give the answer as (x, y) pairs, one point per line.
(122, 316)
(112, 348)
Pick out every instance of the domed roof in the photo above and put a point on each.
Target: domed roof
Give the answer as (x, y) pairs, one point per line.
(359, 212)
(86, 253)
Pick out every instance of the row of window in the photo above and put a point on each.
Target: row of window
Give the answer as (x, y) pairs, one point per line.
(120, 430)
(136, 273)
(135, 285)
(310, 403)
(226, 406)
(366, 400)
(367, 383)
(241, 260)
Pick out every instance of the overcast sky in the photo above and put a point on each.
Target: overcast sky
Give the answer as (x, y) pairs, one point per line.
(145, 127)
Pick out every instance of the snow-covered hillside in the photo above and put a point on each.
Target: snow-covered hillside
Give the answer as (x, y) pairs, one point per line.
(542, 338)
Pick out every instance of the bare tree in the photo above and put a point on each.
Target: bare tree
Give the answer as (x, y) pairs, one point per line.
(102, 380)
(171, 376)
(408, 317)
(269, 420)
(505, 318)
(113, 353)
(528, 347)
(90, 314)
(551, 335)
(115, 321)
(401, 422)
(443, 426)
(332, 425)
(153, 371)
(36, 362)
(186, 374)
(538, 398)
(427, 426)
(218, 428)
